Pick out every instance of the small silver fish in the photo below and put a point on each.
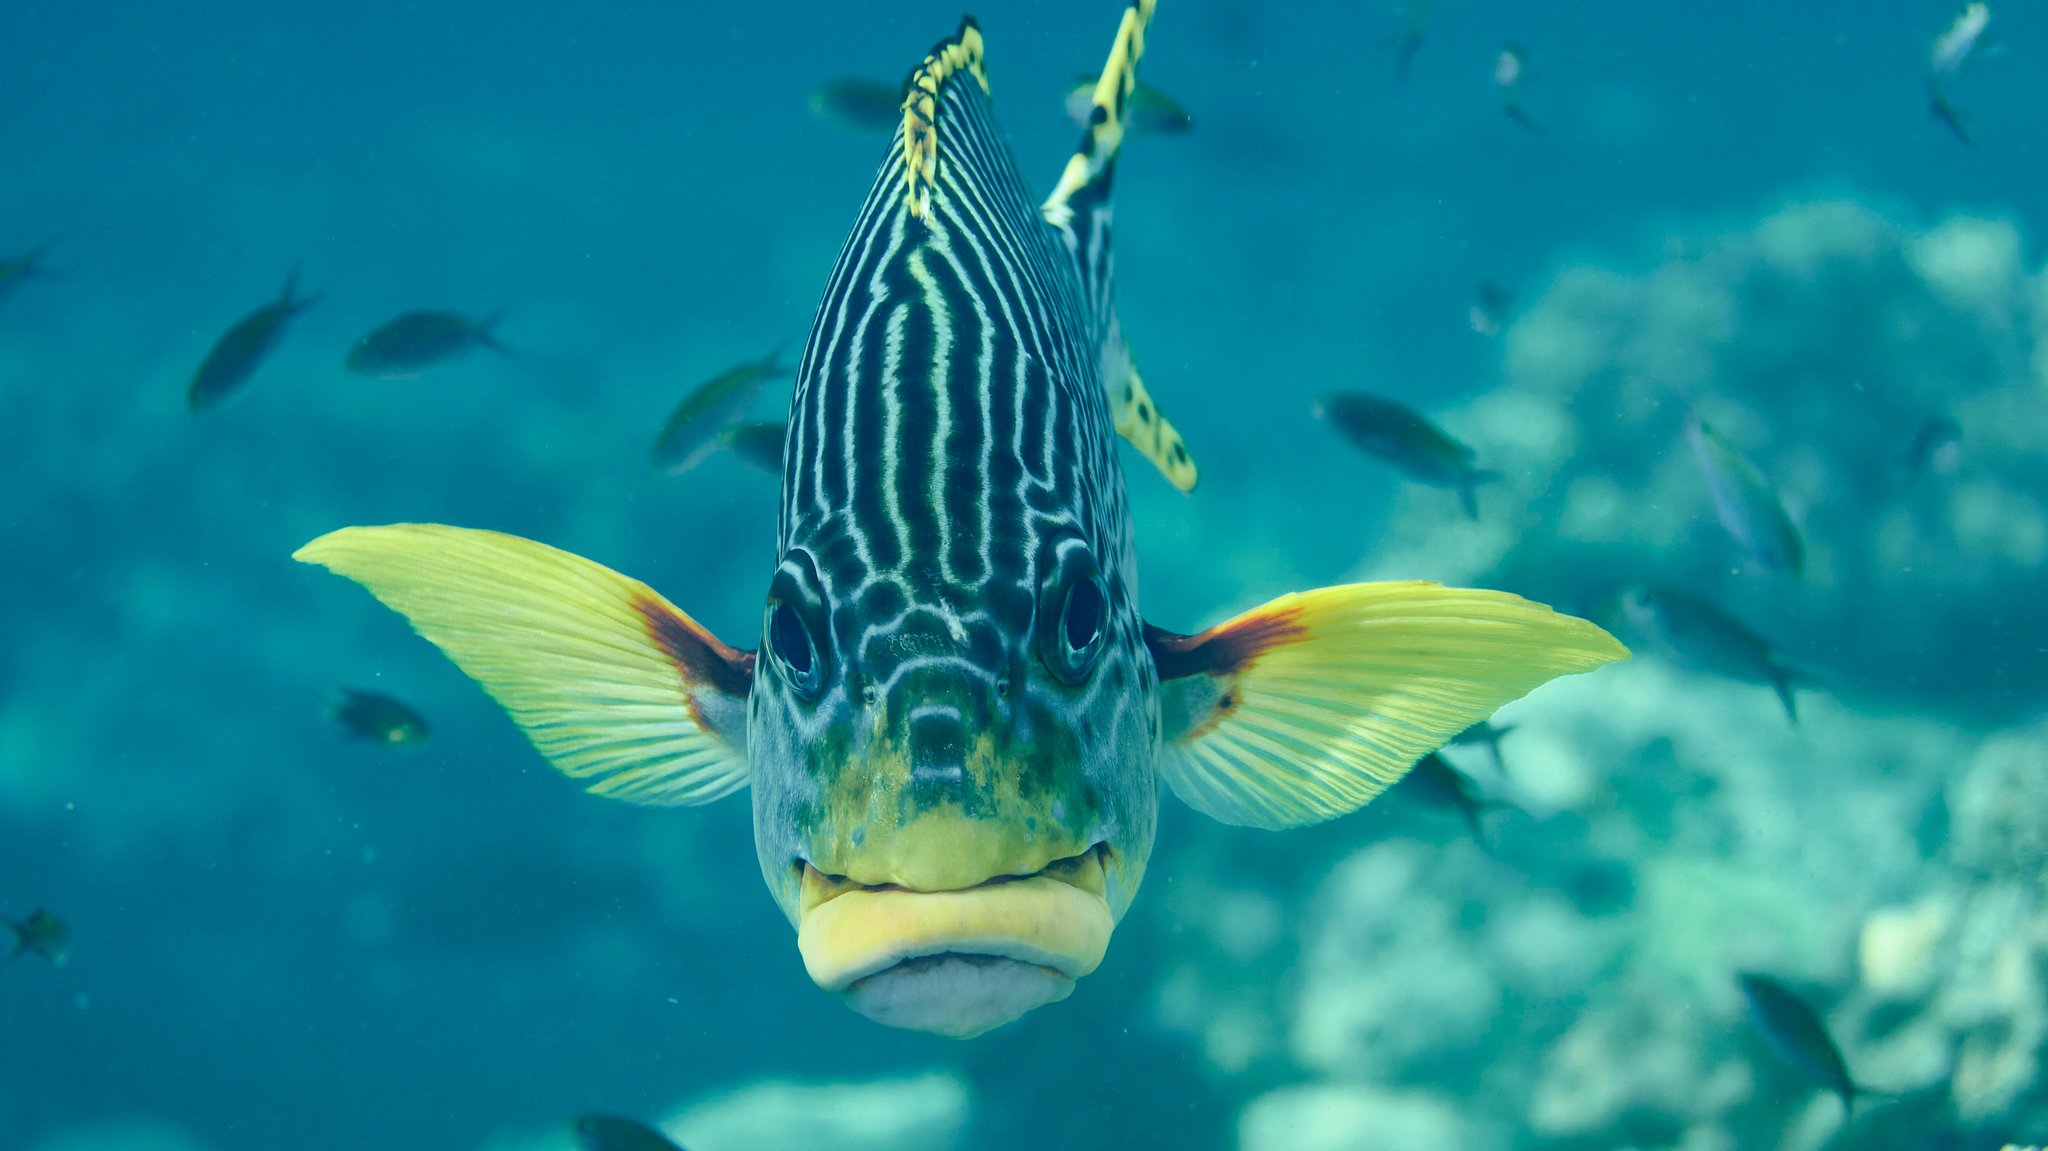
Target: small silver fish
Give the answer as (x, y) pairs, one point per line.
(1699, 633)
(1510, 75)
(1936, 443)
(1488, 733)
(757, 442)
(41, 933)
(1433, 782)
(16, 270)
(1406, 439)
(1796, 1032)
(694, 428)
(1746, 503)
(1962, 42)
(1489, 311)
(411, 343)
(611, 1133)
(859, 104)
(379, 718)
(1408, 41)
(243, 348)
(1148, 110)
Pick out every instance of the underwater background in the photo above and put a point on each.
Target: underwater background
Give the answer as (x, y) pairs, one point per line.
(285, 936)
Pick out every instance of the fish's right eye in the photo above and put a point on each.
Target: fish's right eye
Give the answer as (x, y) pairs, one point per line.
(795, 625)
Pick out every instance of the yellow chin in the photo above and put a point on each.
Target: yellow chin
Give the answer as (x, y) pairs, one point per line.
(956, 962)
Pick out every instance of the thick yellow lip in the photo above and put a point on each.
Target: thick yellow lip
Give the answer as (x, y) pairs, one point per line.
(1057, 919)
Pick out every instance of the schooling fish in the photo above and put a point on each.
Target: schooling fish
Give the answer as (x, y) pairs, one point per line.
(41, 933)
(17, 270)
(1963, 41)
(1409, 40)
(1933, 448)
(1699, 633)
(1488, 733)
(957, 725)
(379, 718)
(1796, 1032)
(1406, 439)
(1747, 504)
(415, 341)
(1435, 783)
(243, 348)
(859, 104)
(1510, 75)
(693, 430)
(758, 442)
(1489, 311)
(611, 1133)
(1148, 111)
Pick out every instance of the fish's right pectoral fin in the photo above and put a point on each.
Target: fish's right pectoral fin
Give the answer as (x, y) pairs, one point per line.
(612, 683)
(1312, 705)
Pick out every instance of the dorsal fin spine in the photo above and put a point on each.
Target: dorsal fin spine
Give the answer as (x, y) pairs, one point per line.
(959, 52)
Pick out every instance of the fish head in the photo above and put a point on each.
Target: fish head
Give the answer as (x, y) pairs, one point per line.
(953, 792)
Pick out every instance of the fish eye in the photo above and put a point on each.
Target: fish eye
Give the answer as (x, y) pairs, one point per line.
(795, 620)
(1074, 612)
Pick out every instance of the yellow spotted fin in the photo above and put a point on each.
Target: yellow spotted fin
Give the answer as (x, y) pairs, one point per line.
(1079, 209)
(611, 682)
(960, 52)
(1308, 707)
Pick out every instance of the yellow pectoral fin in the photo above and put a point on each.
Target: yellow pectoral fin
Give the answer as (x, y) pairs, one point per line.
(611, 682)
(1308, 707)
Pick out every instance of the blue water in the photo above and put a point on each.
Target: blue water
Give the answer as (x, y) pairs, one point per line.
(286, 938)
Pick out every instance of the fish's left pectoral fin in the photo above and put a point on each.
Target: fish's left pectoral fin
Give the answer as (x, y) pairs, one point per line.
(1312, 705)
(612, 683)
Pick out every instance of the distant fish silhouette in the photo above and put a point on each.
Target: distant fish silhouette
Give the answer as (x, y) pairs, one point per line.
(409, 344)
(243, 348)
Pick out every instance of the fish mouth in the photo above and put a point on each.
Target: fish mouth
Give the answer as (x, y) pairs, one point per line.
(956, 962)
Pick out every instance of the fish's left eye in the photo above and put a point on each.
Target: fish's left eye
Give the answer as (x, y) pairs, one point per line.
(794, 625)
(1073, 612)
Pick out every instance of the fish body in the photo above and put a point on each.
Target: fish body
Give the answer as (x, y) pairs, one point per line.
(380, 718)
(1796, 1032)
(613, 1133)
(1151, 112)
(40, 933)
(694, 429)
(758, 443)
(243, 347)
(1510, 77)
(408, 344)
(1700, 633)
(859, 104)
(1746, 503)
(1406, 439)
(956, 726)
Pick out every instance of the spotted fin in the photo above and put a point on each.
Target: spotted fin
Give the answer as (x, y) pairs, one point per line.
(958, 54)
(1310, 706)
(1079, 209)
(611, 682)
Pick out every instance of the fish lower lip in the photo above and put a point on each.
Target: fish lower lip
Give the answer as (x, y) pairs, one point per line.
(1056, 920)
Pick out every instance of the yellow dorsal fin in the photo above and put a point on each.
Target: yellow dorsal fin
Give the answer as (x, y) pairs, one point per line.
(1138, 418)
(1105, 131)
(1308, 707)
(957, 53)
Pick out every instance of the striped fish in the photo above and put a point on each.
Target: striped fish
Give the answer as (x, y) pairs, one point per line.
(956, 723)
